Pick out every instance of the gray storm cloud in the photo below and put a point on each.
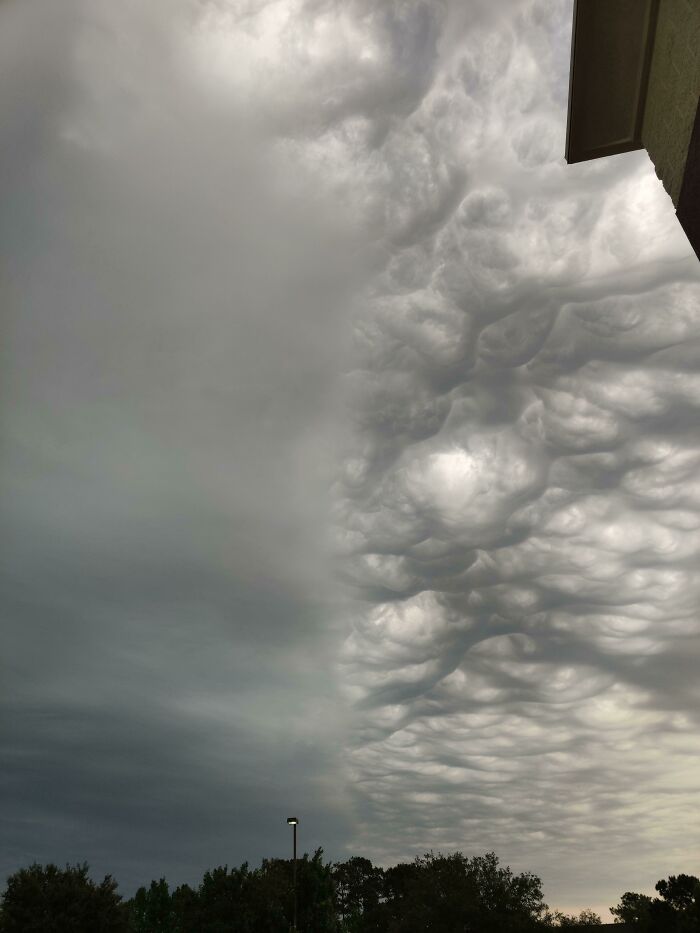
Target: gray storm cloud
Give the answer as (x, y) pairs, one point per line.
(516, 509)
(173, 321)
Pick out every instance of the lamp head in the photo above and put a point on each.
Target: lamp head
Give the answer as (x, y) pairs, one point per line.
(292, 820)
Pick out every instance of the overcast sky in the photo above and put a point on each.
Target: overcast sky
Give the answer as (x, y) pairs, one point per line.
(350, 448)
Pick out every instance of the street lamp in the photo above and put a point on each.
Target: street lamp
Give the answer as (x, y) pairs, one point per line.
(293, 821)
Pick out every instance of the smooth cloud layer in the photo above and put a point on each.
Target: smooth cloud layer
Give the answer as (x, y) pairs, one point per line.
(516, 506)
(174, 314)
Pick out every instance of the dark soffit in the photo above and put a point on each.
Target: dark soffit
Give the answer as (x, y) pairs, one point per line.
(688, 211)
(611, 47)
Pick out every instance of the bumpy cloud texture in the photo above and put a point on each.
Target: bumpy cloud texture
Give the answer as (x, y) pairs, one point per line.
(517, 511)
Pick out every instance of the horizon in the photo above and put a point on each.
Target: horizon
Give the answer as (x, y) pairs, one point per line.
(602, 911)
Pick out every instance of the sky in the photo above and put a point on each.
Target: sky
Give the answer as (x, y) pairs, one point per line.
(350, 444)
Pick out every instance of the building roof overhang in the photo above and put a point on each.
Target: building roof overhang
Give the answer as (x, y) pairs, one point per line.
(611, 46)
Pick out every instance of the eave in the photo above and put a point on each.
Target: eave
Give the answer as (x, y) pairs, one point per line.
(611, 47)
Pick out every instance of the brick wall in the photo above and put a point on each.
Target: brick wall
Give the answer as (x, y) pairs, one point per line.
(674, 87)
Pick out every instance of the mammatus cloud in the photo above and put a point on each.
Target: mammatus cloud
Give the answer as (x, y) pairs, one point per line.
(516, 507)
(518, 513)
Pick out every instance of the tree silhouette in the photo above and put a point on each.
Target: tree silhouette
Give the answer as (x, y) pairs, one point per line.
(437, 893)
(633, 908)
(446, 893)
(587, 918)
(676, 911)
(315, 891)
(358, 889)
(151, 910)
(186, 909)
(48, 899)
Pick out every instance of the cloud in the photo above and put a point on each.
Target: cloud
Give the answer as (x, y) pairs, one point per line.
(174, 318)
(204, 213)
(517, 516)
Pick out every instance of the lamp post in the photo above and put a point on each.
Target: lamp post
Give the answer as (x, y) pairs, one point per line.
(293, 821)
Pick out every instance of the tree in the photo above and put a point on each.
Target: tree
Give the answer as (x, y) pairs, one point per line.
(261, 901)
(315, 894)
(447, 893)
(633, 908)
(515, 899)
(587, 918)
(186, 909)
(47, 899)
(681, 892)
(358, 888)
(224, 901)
(676, 911)
(411, 903)
(152, 911)
(272, 896)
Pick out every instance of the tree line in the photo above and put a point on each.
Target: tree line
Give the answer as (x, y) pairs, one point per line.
(436, 892)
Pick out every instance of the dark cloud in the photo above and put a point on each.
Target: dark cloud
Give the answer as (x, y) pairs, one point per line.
(174, 321)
